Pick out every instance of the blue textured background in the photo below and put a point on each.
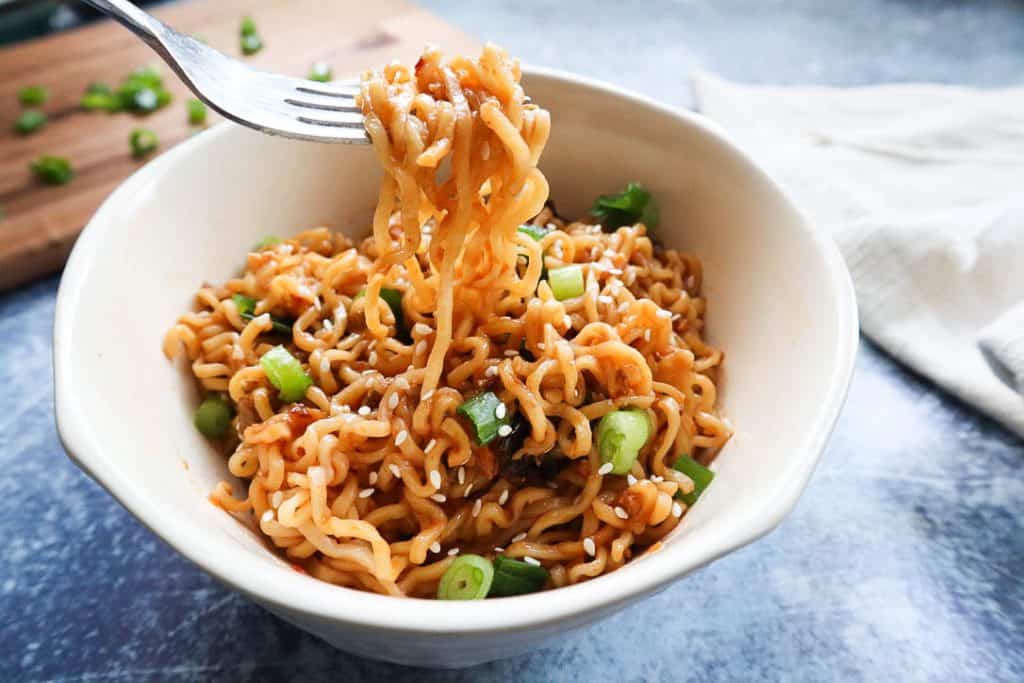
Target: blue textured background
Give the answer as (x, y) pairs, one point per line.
(903, 561)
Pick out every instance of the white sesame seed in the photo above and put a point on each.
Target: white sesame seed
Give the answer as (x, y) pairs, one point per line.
(468, 489)
(435, 479)
(393, 401)
(366, 493)
(421, 330)
(503, 498)
(476, 506)
(677, 317)
(605, 469)
(364, 410)
(328, 325)
(427, 395)
(372, 359)
(662, 313)
(605, 299)
(430, 445)
(370, 371)
(276, 499)
(567, 321)
(519, 537)
(372, 478)
(401, 437)
(501, 411)
(438, 497)
(504, 430)
(530, 560)
(498, 549)
(588, 546)
(647, 335)
(267, 516)
(656, 479)
(395, 470)
(620, 513)
(615, 271)
(630, 479)
(491, 371)
(453, 552)
(435, 547)
(511, 353)
(462, 476)
(677, 510)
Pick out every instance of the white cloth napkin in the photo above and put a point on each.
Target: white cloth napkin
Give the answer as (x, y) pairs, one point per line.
(922, 187)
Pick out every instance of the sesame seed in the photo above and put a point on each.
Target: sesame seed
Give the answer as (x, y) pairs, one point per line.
(491, 371)
(276, 499)
(364, 410)
(372, 359)
(373, 478)
(267, 516)
(435, 547)
(501, 411)
(328, 325)
(530, 560)
(462, 476)
(588, 546)
(453, 552)
(395, 470)
(677, 317)
(511, 353)
(426, 396)
(662, 313)
(393, 401)
(504, 430)
(421, 330)
(677, 510)
(604, 469)
(503, 498)
(605, 299)
(567, 321)
(656, 479)
(477, 505)
(438, 497)
(615, 271)
(430, 445)
(366, 493)
(468, 489)
(647, 335)
(519, 537)
(620, 513)
(630, 479)
(498, 549)
(401, 437)
(435, 479)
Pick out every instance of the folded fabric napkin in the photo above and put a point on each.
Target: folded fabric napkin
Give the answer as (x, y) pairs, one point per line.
(922, 187)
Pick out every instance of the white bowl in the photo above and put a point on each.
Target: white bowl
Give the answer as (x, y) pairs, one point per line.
(779, 302)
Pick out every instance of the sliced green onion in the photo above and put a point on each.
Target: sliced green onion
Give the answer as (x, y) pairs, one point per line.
(620, 436)
(33, 95)
(245, 304)
(143, 142)
(251, 44)
(321, 71)
(213, 416)
(513, 577)
(196, 112)
(566, 282)
(488, 415)
(632, 205)
(52, 170)
(29, 122)
(286, 374)
(98, 101)
(98, 88)
(700, 475)
(247, 27)
(268, 241)
(537, 232)
(142, 92)
(467, 578)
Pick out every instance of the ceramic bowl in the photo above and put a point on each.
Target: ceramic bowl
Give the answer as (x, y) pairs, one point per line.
(779, 302)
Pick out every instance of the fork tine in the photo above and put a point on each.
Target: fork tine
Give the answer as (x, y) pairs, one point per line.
(310, 101)
(328, 89)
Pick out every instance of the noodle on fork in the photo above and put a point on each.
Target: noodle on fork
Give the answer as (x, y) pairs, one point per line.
(349, 375)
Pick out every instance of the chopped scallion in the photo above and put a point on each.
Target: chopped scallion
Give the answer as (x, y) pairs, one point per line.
(29, 122)
(251, 44)
(33, 95)
(321, 71)
(245, 304)
(247, 27)
(514, 577)
(143, 142)
(286, 374)
(620, 436)
(100, 101)
(700, 475)
(52, 170)
(537, 232)
(632, 205)
(483, 412)
(268, 241)
(213, 416)
(469, 577)
(566, 282)
(196, 112)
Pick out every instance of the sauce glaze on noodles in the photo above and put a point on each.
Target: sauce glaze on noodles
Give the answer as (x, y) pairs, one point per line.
(372, 481)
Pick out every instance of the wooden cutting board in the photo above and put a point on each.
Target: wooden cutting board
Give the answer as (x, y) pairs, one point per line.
(40, 223)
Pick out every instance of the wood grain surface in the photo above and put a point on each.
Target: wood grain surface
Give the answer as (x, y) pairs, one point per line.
(40, 223)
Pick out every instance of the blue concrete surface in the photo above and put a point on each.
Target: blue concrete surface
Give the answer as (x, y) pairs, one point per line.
(903, 561)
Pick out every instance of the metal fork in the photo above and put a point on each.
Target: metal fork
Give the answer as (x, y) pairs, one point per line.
(269, 103)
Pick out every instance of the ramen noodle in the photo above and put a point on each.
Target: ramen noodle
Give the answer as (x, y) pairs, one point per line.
(478, 383)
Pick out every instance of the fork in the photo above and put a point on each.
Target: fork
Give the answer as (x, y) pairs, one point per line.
(270, 103)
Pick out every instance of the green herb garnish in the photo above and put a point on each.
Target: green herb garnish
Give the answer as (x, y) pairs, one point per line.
(52, 170)
(33, 95)
(515, 577)
(620, 436)
(213, 416)
(320, 71)
(566, 282)
(467, 578)
(631, 206)
(29, 122)
(286, 374)
(251, 44)
(700, 475)
(196, 112)
(488, 415)
(143, 142)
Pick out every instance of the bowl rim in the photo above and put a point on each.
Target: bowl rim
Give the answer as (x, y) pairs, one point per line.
(296, 593)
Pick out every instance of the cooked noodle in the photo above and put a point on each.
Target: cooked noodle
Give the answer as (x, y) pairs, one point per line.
(373, 481)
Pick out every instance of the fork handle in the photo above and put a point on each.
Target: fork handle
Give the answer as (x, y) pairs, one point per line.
(134, 19)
